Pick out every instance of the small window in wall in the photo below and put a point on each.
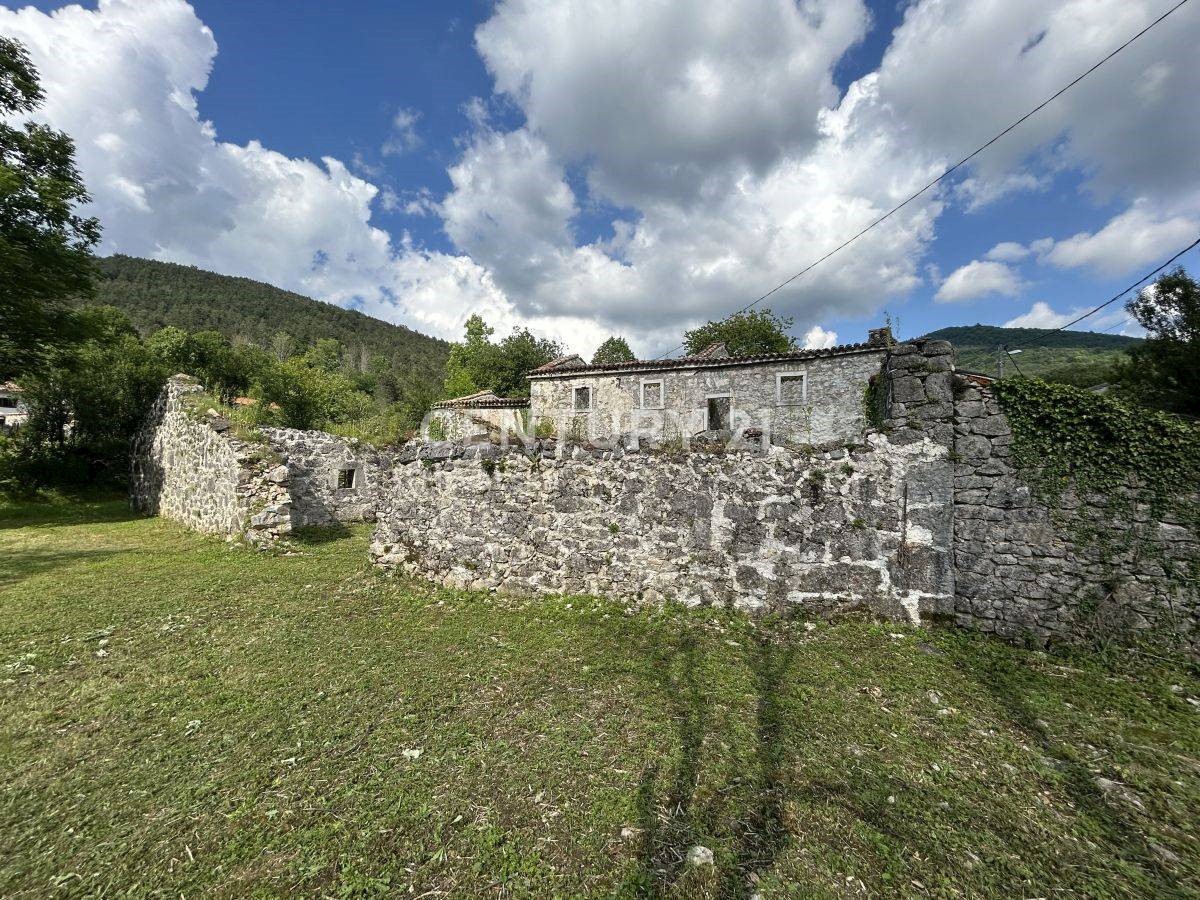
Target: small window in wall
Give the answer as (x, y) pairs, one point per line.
(718, 413)
(791, 388)
(346, 478)
(652, 395)
(9, 402)
(583, 398)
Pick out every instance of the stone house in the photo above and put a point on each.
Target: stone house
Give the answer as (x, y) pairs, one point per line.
(479, 416)
(804, 396)
(13, 411)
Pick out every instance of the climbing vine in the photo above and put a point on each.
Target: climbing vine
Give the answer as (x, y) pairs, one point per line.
(1073, 436)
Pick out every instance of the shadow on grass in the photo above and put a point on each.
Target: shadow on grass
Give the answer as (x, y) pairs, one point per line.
(24, 564)
(315, 535)
(671, 825)
(58, 509)
(1006, 683)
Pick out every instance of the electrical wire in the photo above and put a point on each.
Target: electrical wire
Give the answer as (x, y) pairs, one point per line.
(1112, 299)
(950, 170)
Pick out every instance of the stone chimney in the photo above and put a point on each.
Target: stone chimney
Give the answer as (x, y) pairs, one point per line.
(880, 337)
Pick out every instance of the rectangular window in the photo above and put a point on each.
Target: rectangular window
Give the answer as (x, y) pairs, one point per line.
(652, 395)
(791, 388)
(9, 402)
(718, 413)
(345, 479)
(583, 398)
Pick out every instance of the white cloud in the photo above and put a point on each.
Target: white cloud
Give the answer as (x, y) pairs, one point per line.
(404, 137)
(1135, 238)
(978, 278)
(1040, 315)
(1008, 251)
(663, 97)
(1113, 320)
(817, 338)
(714, 132)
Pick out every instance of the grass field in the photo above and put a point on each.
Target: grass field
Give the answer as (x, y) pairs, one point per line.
(183, 717)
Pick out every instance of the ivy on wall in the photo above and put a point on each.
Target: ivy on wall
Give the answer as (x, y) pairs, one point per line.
(1099, 444)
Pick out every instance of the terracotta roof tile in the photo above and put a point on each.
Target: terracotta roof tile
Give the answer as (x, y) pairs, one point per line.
(700, 360)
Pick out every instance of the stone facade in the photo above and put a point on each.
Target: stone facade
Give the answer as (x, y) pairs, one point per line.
(825, 532)
(187, 466)
(331, 478)
(810, 398)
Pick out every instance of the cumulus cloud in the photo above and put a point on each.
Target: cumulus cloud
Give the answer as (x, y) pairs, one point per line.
(817, 338)
(1040, 315)
(1113, 320)
(978, 278)
(663, 97)
(714, 134)
(1008, 251)
(1135, 238)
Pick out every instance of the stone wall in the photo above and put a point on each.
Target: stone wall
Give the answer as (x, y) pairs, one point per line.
(824, 532)
(831, 409)
(471, 423)
(1030, 567)
(186, 465)
(1060, 569)
(331, 478)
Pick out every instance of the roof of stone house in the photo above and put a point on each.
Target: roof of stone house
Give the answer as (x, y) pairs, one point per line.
(977, 377)
(713, 356)
(10, 387)
(482, 400)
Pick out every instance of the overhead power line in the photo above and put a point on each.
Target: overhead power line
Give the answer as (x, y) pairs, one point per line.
(1113, 299)
(966, 159)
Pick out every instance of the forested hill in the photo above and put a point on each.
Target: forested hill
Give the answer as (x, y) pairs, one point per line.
(1078, 357)
(154, 294)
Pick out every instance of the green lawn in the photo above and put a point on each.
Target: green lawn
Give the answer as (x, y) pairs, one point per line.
(180, 716)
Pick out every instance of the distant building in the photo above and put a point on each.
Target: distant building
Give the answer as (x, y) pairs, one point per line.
(478, 416)
(803, 396)
(13, 411)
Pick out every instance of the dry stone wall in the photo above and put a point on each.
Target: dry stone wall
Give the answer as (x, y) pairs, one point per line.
(825, 532)
(331, 478)
(1028, 566)
(187, 466)
(1065, 568)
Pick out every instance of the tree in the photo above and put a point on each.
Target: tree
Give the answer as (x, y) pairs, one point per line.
(477, 364)
(744, 333)
(1164, 370)
(86, 401)
(613, 350)
(469, 361)
(45, 246)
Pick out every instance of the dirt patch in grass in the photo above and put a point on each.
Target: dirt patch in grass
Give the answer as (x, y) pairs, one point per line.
(179, 715)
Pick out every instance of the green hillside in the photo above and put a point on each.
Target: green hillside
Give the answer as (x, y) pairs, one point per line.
(1076, 357)
(155, 294)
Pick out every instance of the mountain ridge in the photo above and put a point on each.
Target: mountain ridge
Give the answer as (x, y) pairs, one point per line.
(155, 294)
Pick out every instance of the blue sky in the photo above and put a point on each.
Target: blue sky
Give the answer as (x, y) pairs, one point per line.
(600, 167)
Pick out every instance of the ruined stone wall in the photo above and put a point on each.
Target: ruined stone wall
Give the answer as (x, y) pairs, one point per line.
(187, 466)
(823, 532)
(830, 411)
(1063, 568)
(1028, 566)
(465, 424)
(315, 461)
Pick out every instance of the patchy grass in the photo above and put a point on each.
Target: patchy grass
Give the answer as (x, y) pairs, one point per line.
(183, 716)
